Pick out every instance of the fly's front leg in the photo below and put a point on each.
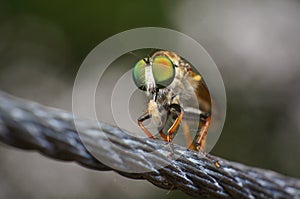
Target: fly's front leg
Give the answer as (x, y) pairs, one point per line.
(142, 118)
(175, 125)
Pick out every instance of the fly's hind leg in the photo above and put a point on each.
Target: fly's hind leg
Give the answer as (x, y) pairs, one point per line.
(201, 141)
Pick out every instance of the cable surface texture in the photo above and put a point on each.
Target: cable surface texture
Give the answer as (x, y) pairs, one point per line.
(31, 126)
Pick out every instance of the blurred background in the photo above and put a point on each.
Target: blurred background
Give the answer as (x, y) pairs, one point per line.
(255, 44)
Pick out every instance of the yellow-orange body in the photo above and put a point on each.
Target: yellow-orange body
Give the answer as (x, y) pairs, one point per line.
(185, 100)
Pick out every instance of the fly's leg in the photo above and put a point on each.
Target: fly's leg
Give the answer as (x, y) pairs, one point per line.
(169, 137)
(164, 137)
(175, 125)
(142, 118)
(200, 143)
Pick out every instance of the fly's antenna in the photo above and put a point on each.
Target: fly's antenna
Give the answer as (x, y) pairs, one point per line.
(134, 54)
(146, 59)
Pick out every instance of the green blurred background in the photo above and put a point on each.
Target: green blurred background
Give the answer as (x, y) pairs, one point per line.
(255, 44)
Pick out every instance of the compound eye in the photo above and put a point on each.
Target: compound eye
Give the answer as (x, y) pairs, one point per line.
(138, 74)
(163, 71)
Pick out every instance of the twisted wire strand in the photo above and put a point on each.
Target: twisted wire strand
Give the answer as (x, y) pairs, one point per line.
(31, 126)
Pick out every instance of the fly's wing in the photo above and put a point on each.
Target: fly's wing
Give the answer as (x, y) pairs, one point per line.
(190, 126)
(196, 109)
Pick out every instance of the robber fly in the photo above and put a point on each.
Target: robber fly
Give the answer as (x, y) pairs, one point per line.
(170, 83)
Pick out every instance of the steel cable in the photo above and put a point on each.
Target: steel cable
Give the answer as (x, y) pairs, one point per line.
(31, 126)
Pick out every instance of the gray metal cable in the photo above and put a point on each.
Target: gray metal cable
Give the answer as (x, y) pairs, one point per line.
(52, 132)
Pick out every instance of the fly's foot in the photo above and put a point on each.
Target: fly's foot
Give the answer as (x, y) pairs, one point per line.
(201, 153)
(171, 147)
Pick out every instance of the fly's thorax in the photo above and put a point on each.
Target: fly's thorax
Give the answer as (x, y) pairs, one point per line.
(180, 73)
(189, 87)
(180, 84)
(184, 86)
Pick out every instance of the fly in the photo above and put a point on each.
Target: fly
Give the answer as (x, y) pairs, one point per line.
(178, 96)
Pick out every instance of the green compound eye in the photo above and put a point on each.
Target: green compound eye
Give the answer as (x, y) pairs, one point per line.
(163, 71)
(138, 74)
